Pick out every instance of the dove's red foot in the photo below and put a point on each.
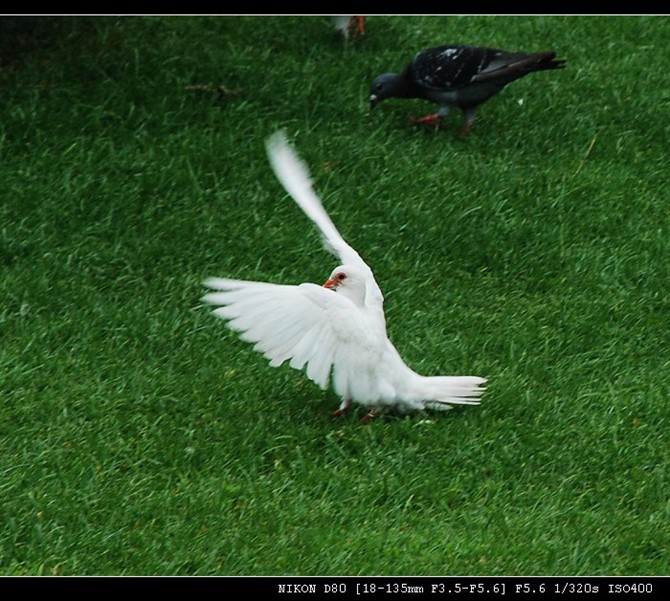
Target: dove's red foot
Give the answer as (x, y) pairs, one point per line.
(357, 23)
(433, 120)
(368, 417)
(343, 408)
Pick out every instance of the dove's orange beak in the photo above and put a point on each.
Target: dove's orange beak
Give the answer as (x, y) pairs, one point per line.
(331, 283)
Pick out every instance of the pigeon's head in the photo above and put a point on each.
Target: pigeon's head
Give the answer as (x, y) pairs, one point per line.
(349, 281)
(384, 86)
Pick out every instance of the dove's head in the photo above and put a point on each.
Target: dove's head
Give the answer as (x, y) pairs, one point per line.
(384, 86)
(349, 281)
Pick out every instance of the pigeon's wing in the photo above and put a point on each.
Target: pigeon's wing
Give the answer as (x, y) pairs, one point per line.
(294, 176)
(450, 67)
(311, 326)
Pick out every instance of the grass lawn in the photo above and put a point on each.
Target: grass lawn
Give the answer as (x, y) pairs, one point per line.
(139, 436)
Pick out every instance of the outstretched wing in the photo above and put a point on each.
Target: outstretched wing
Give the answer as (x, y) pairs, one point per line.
(311, 326)
(293, 174)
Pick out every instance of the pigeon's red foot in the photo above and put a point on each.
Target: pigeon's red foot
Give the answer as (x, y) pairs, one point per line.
(357, 23)
(464, 131)
(433, 120)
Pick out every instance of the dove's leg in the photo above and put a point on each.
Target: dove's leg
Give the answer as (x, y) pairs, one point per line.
(357, 23)
(370, 415)
(343, 408)
(468, 121)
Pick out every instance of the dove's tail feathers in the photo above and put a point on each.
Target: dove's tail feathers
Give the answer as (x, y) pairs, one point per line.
(442, 391)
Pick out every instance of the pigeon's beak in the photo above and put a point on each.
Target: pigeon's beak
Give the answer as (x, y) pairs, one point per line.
(374, 101)
(331, 283)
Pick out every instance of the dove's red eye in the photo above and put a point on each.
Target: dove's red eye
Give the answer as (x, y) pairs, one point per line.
(341, 276)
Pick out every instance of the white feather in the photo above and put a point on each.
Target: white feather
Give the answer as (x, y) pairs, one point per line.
(341, 23)
(340, 334)
(294, 176)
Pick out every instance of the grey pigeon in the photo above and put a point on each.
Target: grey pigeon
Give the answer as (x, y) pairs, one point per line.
(462, 76)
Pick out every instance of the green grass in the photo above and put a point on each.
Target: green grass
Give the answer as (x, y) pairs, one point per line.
(139, 436)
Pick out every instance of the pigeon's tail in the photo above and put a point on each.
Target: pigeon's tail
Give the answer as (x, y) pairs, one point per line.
(543, 61)
(513, 65)
(440, 392)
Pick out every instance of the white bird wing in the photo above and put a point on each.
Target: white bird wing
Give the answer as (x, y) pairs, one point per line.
(311, 326)
(293, 174)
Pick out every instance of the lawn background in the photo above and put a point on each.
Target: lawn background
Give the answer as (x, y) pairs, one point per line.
(139, 436)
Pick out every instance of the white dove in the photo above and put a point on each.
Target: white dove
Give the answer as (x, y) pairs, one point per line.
(343, 23)
(338, 327)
